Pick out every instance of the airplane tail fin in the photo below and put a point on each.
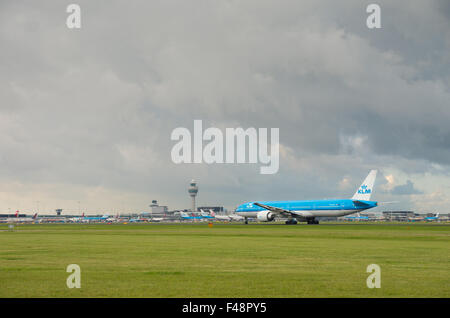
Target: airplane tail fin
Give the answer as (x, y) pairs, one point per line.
(365, 190)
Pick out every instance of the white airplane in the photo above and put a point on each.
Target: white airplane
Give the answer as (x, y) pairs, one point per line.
(218, 217)
(206, 215)
(112, 218)
(235, 217)
(356, 217)
(227, 217)
(17, 219)
(88, 219)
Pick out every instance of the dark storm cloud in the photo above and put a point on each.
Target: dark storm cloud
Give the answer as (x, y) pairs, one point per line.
(96, 106)
(405, 189)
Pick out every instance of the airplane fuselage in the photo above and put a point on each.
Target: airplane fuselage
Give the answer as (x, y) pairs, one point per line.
(310, 208)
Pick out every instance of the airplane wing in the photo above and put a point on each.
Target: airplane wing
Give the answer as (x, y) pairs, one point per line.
(360, 203)
(284, 212)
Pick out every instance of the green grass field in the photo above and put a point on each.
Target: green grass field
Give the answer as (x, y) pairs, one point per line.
(227, 260)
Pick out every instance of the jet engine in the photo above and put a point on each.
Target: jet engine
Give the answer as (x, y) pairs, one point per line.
(265, 216)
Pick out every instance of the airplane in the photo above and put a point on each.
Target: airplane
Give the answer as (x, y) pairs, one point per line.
(432, 218)
(416, 218)
(17, 219)
(191, 216)
(219, 217)
(148, 217)
(206, 215)
(358, 217)
(152, 219)
(35, 218)
(94, 218)
(112, 219)
(136, 220)
(235, 217)
(75, 219)
(227, 217)
(301, 211)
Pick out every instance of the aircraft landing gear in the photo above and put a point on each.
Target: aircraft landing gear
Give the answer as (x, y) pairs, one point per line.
(246, 221)
(312, 221)
(291, 221)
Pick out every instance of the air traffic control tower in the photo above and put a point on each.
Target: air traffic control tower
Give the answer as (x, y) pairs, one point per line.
(192, 190)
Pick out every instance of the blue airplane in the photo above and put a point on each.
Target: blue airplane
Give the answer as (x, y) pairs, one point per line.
(191, 216)
(307, 211)
(95, 218)
(432, 218)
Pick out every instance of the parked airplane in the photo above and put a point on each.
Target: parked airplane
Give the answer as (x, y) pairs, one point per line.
(266, 211)
(235, 217)
(357, 217)
(415, 219)
(94, 218)
(206, 215)
(219, 217)
(191, 216)
(432, 218)
(227, 217)
(137, 220)
(17, 219)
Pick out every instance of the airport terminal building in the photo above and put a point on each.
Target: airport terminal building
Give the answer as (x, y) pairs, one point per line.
(398, 215)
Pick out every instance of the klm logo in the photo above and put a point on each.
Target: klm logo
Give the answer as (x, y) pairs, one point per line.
(364, 190)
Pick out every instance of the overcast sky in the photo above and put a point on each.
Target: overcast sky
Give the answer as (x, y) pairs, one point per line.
(86, 114)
